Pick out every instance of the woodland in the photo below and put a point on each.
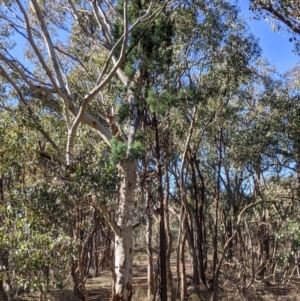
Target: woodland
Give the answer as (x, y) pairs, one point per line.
(151, 131)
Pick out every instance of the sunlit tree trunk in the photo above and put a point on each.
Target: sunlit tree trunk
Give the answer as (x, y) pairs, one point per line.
(123, 238)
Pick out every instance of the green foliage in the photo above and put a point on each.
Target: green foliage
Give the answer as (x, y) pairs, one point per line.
(200, 56)
(160, 103)
(150, 44)
(137, 150)
(284, 12)
(120, 152)
(123, 112)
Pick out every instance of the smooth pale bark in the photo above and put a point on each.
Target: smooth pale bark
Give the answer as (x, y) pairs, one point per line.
(123, 229)
(123, 237)
(57, 82)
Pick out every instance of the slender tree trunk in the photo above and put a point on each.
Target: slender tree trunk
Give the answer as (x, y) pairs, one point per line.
(171, 292)
(3, 254)
(196, 279)
(216, 222)
(80, 249)
(162, 231)
(3, 295)
(150, 276)
(183, 288)
(215, 254)
(77, 288)
(2, 292)
(264, 241)
(200, 224)
(178, 251)
(191, 247)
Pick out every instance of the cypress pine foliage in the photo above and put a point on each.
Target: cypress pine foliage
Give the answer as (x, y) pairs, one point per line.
(149, 43)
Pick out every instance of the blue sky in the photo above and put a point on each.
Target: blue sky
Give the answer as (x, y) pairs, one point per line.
(275, 45)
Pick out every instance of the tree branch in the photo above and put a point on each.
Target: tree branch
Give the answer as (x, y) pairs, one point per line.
(102, 208)
(14, 65)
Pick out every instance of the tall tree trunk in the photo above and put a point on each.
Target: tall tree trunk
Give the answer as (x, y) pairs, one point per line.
(124, 234)
(216, 221)
(3, 254)
(2, 292)
(191, 247)
(123, 237)
(171, 292)
(150, 276)
(183, 288)
(200, 223)
(162, 232)
(264, 240)
(178, 252)
(192, 241)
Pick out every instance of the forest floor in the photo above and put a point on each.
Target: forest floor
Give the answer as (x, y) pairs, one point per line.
(99, 289)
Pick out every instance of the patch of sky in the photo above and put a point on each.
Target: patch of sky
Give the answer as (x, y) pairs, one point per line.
(277, 46)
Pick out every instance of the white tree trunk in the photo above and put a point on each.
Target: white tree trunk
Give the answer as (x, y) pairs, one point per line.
(123, 239)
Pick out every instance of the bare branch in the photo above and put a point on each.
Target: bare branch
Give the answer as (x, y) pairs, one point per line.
(82, 29)
(76, 59)
(114, 11)
(35, 48)
(61, 77)
(93, 123)
(97, 89)
(14, 65)
(122, 40)
(188, 139)
(239, 220)
(102, 22)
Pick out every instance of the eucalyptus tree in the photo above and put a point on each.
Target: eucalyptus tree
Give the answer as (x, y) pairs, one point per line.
(213, 62)
(171, 69)
(59, 37)
(255, 155)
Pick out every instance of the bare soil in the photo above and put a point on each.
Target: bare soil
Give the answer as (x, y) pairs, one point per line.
(99, 289)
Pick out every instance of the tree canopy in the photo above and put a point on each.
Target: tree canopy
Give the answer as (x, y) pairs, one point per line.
(145, 126)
